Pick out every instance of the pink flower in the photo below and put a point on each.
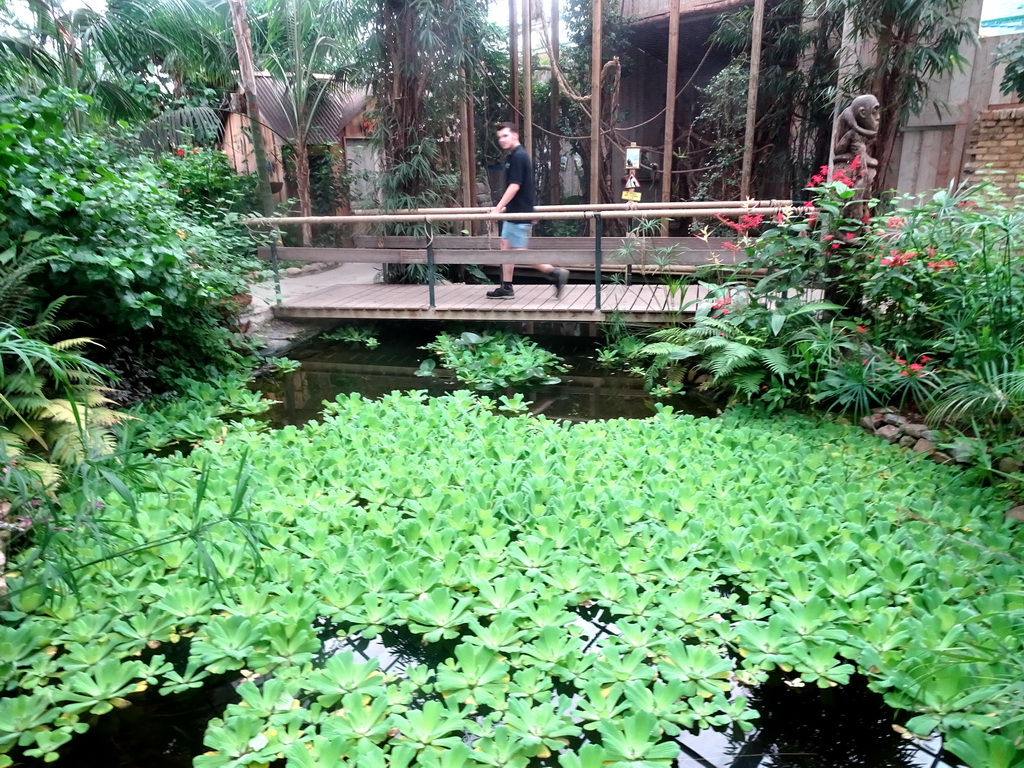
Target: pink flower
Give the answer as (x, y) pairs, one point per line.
(862, 329)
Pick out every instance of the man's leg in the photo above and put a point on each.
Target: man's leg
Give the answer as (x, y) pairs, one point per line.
(556, 275)
(505, 290)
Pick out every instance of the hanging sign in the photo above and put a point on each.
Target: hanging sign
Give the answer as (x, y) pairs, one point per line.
(632, 155)
(632, 195)
(631, 182)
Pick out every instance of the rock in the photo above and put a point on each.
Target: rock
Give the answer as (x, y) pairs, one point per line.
(871, 422)
(1010, 466)
(916, 430)
(907, 441)
(962, 452)
(894, 419)
(940, 457)
(293, 271)
(1017, 513)
(923, 446)
(889, 432)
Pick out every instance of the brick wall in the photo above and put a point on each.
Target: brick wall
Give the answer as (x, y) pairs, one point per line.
(997, 149)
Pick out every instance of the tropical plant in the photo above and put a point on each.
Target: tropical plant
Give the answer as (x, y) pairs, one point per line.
(139, 272)
(494, 361)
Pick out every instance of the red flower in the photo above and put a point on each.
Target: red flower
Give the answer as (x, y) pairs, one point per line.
(851, 236)
(894, 222)
(897, 259)
(925, 359)
(195, 151)
(915, 367)
(862, 329)
(181, 153)
(938, 266)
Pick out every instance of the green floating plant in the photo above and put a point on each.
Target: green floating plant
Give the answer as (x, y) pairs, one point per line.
(427, 583)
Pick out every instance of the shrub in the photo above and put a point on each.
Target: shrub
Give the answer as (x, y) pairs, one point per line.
(140, 272)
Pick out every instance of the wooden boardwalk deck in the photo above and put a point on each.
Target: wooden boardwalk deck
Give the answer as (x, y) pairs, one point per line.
(635, 303)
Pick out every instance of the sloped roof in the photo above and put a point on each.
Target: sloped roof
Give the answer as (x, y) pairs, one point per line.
(335, 110)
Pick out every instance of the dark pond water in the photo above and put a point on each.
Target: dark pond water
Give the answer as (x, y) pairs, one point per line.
(848, 727)
(799, 727)
(330, 368)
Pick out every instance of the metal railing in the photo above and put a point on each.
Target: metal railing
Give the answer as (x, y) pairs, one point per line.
(596, 213)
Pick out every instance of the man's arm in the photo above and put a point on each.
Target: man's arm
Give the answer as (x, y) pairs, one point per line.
(510, 192)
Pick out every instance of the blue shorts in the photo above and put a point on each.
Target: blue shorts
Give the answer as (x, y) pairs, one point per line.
(516, 232)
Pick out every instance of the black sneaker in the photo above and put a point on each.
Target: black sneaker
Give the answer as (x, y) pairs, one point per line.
(501, 292)
(560, 277)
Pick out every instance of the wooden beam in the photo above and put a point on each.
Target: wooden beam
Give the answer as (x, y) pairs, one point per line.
(752, 87)
(467, 174)
(528, 77)
(595, 107)
(513, 57)
(670, 109)
(555, 142)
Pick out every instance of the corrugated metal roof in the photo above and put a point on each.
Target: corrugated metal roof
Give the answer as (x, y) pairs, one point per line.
(335, 110)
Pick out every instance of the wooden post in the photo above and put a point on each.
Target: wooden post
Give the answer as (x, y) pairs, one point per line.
(670, 108)
(247, 79)
(556, 143)
(528, 77)
(513, 57)
(471, 119)
(465, 146)
(755, 77)
(595, 109)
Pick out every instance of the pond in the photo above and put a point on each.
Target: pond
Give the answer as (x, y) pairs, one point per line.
(586, 393)
(799, 727)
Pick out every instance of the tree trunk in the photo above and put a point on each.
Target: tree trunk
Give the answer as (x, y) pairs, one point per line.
(301, 153)
(247, 79)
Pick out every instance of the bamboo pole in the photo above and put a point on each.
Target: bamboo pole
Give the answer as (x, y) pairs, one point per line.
(746, 205)
(595, 107)
(421, 218)
(528, 77)
(755, 78)
(555, 154)
(513, 56)
(670, 108)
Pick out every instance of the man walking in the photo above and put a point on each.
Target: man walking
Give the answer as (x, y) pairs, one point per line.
(518, 198)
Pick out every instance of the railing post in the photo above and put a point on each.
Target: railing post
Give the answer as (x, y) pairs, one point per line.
(277, 269)
(430, 268)
(598, 231)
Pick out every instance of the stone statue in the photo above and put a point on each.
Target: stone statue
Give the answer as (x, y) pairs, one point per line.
(857, 127)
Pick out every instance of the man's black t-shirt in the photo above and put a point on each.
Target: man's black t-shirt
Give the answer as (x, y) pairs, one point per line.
(519, 170)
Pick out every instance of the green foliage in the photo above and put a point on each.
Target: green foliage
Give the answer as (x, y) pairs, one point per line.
(495, 361)
(197, 411)
(1011, 53)
(351, 334)
(140, 272)
(733, 548)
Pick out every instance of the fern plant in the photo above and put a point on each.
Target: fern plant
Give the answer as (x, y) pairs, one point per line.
(753, 347)
(52, 403)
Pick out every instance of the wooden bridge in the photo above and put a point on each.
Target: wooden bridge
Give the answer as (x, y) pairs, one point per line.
(640, 279)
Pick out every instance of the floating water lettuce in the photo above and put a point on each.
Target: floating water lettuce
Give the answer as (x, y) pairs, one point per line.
(585, 592)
